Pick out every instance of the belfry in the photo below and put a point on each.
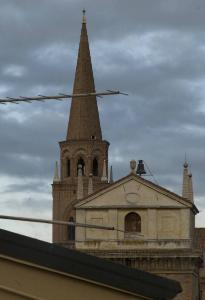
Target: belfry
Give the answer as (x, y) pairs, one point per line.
(83, 155)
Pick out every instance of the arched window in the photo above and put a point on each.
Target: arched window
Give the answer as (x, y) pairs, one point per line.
(68, 167)
(132, 222)
(95, 167)
(82, 163)
(71, 230)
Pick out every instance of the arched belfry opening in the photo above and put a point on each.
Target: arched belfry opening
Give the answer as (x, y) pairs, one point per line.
(71, 230)
(67, 167)
(81, 163)
(132, 222)
(95, 167)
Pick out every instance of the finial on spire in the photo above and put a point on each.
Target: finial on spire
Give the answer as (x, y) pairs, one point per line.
(185, 162)
(84, 17)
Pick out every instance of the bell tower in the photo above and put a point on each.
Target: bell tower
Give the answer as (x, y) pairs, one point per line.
(84, 154)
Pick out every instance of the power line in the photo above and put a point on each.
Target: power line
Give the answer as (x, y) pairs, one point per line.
(151, 173)
(57, 222)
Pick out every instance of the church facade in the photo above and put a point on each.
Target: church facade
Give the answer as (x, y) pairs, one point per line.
(151, 228)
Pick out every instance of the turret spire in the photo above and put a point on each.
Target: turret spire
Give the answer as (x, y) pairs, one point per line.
(104, 173)
(56, 177)
(187, 189)
(84, 123)
(191, 194)
(111, 175)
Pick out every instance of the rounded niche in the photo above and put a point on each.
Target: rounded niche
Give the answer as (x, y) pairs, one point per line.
(132, 197)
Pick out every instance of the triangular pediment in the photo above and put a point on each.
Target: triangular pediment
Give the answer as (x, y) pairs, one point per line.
(133, 191)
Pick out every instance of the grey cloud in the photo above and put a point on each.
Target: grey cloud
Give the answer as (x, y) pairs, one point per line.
(37, 187)
(152, 50)
(30, 204)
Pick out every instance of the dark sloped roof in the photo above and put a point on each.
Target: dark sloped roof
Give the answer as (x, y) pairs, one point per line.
(87, 267)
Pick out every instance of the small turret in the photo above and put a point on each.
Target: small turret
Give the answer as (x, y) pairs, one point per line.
(187, 188)
(191, 194)
(111, 175)
(104, 174)
(56, 177)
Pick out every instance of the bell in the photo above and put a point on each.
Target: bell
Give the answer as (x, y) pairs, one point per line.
(140, 168)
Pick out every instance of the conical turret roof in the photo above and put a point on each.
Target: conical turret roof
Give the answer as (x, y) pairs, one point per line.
(84, 122)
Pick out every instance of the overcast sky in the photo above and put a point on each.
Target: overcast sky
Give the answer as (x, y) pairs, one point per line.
(153, 50)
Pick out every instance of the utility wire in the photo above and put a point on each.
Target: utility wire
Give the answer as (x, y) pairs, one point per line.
(151, 173)
(57, 222)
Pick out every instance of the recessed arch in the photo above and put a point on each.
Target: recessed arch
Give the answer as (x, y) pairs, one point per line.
(65, 153)
(80, 152)
(97, 152)
(71, 229)
(68, 167)
(132, 222)
(95, 167)
(81, 162)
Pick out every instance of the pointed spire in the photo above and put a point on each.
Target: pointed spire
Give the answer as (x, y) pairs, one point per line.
(111, 175)
(191, 194)
(90, 184)
(84, 122)
(187, 189)
(80, 183)
(104, 174)
(56, 177)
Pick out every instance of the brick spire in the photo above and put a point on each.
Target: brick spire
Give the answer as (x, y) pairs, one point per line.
(84, 122)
